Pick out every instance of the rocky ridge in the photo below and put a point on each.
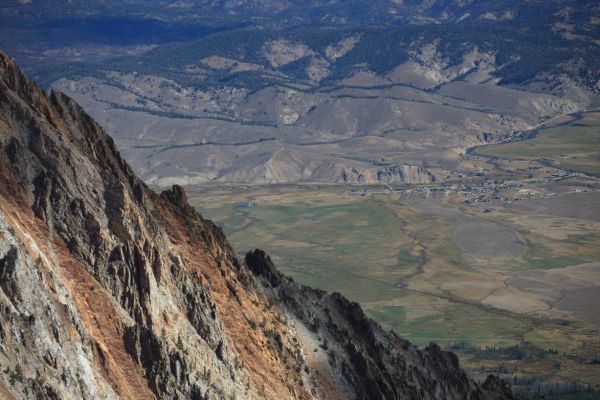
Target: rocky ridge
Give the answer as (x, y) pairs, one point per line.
(109, 290)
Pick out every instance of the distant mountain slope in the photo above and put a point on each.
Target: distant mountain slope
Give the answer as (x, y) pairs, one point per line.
(311, 11)
(279, 91)
(395, 11)
(360, 104)
(109, 290)
(32, 26)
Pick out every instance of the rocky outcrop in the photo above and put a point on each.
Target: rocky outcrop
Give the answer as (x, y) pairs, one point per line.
(412, 174)
(375, 363)
(109, 290)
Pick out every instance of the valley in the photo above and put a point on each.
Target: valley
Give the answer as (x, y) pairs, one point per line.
(507, 257)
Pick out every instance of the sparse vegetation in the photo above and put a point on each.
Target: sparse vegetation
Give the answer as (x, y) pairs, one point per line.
(252, 324)
(180, 346)
(536, 387)
(237, 364)
(206, 374)
(15, 375)
(525, 351)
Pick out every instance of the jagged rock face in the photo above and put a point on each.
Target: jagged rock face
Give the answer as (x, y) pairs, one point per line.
(108, 290)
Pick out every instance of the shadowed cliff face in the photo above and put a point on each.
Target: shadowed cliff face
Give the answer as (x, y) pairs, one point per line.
(108, 290)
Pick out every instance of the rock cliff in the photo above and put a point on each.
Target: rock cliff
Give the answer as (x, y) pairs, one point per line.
(111, 291)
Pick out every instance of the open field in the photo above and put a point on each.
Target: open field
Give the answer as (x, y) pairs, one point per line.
(502, 266)
(574, 146)
(432, 268)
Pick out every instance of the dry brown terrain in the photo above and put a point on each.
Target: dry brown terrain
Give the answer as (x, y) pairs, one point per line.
(362, 128)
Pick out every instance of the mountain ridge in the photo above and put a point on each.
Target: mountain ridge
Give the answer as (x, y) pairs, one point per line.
(110, 290)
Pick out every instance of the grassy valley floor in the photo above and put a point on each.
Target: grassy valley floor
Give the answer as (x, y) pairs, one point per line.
(503, 269)
(433, 269)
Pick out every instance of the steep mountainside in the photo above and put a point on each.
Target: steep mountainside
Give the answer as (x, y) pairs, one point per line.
(108, 290)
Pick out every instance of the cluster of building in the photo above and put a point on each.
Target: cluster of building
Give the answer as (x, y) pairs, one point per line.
(472, 192)
(484, 191)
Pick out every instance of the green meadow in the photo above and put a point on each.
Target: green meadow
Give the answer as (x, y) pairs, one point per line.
(574, 146)
(401, 261)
